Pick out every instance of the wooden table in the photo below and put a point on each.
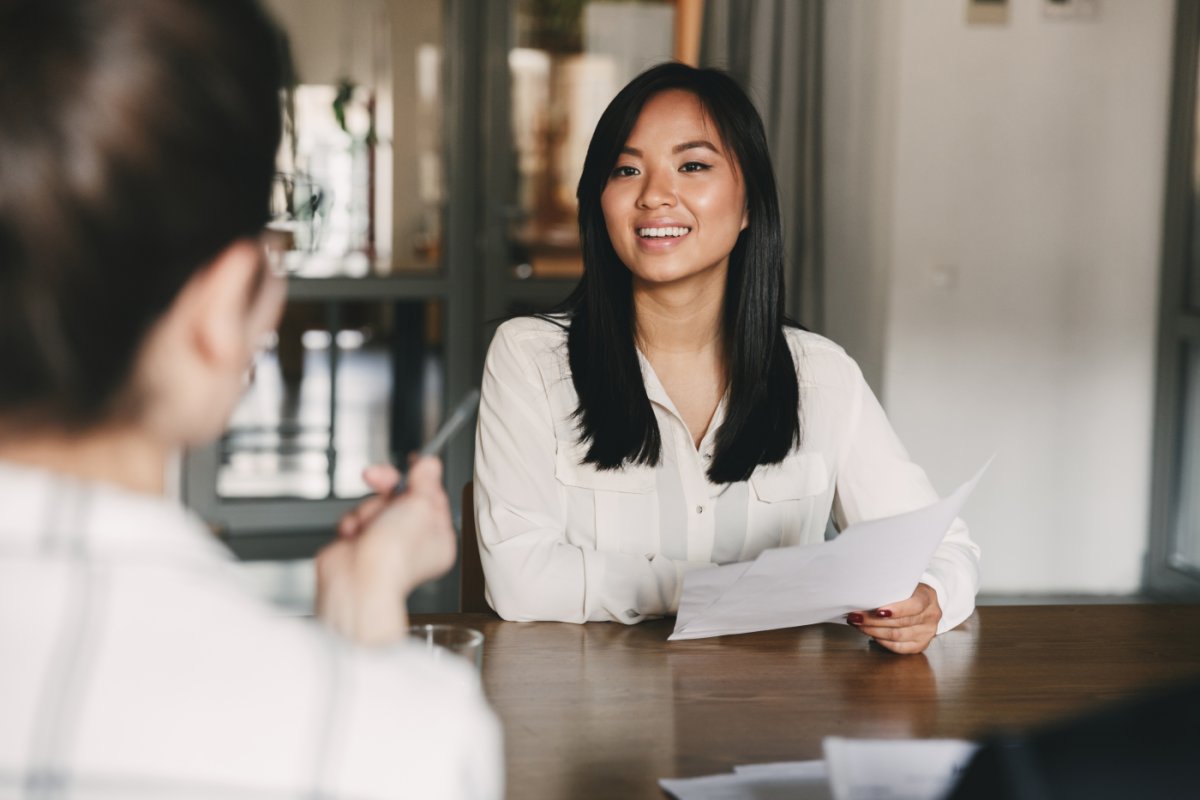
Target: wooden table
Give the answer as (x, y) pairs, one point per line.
(604, 710)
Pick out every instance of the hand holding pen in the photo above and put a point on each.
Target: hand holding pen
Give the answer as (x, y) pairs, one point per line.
(391, 543)
(388, 481)
(461, 414)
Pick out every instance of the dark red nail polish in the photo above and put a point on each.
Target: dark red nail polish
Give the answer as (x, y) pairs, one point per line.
(884, 612)
(854, 619)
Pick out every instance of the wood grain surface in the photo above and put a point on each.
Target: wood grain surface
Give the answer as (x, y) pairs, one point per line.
(604, 710)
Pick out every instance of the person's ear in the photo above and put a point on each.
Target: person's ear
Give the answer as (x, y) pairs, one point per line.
(232, 304)
(194, 362)
(745, 218)
(266, 303)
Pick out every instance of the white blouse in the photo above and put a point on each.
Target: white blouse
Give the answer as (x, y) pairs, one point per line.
(562, 540)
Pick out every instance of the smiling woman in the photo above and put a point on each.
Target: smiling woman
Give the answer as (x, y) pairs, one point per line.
(653, 425)
(685, 147)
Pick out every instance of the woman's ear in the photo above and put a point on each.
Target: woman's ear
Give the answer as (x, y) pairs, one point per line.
(232, 304)
(745, 218)
(195, 360)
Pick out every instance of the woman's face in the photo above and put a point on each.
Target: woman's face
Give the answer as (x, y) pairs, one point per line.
(674, 203)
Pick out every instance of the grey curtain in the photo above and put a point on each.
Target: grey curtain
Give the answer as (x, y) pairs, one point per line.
(773, 49)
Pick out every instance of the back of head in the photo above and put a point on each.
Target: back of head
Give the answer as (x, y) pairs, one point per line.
(137, 140)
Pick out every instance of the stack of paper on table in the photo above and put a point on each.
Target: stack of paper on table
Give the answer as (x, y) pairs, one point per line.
(868, 565)
(789, 780)
(853, 769)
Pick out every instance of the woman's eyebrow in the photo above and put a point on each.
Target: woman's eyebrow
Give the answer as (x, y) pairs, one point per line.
(698, 143)
(679, 148)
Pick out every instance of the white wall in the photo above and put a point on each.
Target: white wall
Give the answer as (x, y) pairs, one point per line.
(330, 39)
(1020, 247)
(859, 132)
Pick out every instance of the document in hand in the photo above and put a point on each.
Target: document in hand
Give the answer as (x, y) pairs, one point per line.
(868, 565)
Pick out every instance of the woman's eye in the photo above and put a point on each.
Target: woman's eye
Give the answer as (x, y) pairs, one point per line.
(694, 166)
(624, 172)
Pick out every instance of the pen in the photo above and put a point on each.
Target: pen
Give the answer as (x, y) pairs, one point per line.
(459, 417)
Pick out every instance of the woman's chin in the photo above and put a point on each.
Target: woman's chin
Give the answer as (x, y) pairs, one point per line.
(674, 275)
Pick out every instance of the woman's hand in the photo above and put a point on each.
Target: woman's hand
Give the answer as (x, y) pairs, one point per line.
(386, 547)
(905, 627)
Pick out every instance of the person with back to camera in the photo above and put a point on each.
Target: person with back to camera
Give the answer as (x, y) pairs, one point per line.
(137, 146)
(669, 417)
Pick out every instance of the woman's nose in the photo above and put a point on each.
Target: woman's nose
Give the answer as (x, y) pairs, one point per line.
(657, 190)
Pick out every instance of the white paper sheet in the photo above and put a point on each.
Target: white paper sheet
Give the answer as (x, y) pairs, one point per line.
(790, 769)
(793, 780)
(868, 565)
(853, 769)
(904, 769)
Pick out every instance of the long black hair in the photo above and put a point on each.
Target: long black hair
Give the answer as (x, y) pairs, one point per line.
(762, 421)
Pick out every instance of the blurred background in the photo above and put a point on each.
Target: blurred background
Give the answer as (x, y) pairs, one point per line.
(988, 203)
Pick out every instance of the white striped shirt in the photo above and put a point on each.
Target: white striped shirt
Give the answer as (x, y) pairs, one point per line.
(561, 540)
(135, 665)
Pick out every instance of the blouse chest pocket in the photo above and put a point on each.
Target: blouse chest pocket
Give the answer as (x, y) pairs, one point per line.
(608, 510)
(569, 471)
(569, 466)
(794, 498)
(799, 476)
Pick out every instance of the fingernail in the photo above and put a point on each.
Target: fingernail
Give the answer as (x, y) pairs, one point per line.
(854, 619)
(884, 612)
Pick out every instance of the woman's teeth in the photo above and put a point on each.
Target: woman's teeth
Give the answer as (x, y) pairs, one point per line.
(656, 233)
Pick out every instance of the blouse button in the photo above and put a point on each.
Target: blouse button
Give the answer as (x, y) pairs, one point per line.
(699, 509)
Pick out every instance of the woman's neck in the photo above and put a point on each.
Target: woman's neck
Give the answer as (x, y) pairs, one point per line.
(121, 456)
(679, 320)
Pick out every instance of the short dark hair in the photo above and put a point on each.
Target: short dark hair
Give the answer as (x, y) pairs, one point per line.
(137, 141)
(762, 421)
